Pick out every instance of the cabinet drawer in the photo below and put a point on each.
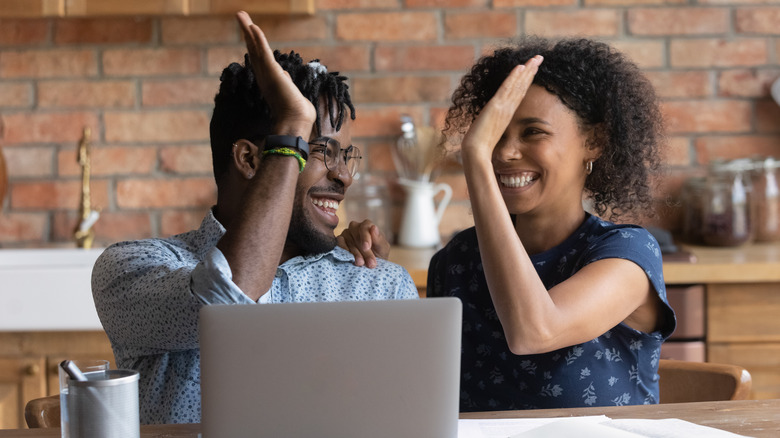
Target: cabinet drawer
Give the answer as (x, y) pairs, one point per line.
(692, 351)
(743, 312)
(688, 305)
(762, 360)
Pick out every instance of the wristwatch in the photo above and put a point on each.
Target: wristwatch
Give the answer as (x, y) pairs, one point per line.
(287, 141)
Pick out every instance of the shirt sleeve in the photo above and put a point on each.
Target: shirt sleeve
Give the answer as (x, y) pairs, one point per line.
(144, 294)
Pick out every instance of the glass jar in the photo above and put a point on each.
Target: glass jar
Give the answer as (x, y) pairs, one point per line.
(368, 198)
(766, 200)
(726, 204)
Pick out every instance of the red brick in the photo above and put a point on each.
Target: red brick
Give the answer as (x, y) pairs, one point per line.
(51, 195)
(739, 146)
(179, 92)
(86, 94)
(294, 29)
(437, 116)
(402, 89)
(423, 58)
(471, 24)
(23, 32)
(594, 22)
(21, 227)
(746, 83)
(678, 21)
(42, 127)
(108, 161)
(102, 30)
(15, 94)
(111, 226)
(355, 4)
(342, 58)
(158, 126)
(681, 83)
(150, 62)
(186, 159)
(645, 53)
(178, 221)
(444, 4)
(457, 182)
(737, 2)
(377, 157)
(389, 26)
(758, 20)
(29, 161)
(193, 30)
(60, 63)
(633, 2)
(707, 116)
(165, 193)
(767, 115)
(382, 121)
(677, 152)
(718, 52)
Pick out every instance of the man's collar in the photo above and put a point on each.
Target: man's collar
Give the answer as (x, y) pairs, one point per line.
(337, 253)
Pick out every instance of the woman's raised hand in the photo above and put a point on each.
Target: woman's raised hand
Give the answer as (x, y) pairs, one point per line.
(487, 129)
(366, 242)
(294, 114)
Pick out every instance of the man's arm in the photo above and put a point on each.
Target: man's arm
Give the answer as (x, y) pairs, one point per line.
(255, 238)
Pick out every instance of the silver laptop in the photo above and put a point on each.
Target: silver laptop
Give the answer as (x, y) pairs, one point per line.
(342, 370)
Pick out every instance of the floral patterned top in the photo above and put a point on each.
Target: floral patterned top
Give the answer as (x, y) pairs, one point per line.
(617, 368)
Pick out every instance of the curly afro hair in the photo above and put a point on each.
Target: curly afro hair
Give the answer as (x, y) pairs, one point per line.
(240, 111)
(611, 98)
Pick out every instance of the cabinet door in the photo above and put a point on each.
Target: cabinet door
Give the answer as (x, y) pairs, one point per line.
(31, 8)
(21, 380)
(762, 360)
(252, 6)
(743, 312)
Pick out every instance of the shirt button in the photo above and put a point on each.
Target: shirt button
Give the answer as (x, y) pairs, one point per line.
(279, 272)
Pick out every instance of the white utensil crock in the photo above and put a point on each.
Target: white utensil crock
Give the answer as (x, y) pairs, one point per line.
(420, 223)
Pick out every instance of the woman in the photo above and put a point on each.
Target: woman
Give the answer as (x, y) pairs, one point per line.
(561, 308)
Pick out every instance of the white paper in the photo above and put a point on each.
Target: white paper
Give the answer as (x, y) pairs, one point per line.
(670, 428)
(504, 428)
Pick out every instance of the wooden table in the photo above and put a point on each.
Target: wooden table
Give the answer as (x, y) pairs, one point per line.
(754, 418)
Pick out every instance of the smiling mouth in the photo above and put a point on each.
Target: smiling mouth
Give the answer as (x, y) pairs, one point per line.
(328, 206)
(517, 180)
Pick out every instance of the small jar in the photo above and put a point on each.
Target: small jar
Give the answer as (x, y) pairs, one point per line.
(766, 200)
(726, 207)
(368, 198)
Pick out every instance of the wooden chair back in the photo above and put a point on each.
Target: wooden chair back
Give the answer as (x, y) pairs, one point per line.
(682, 381)
(43, 412)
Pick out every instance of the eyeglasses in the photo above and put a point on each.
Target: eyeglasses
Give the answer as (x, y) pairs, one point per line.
(333, 152)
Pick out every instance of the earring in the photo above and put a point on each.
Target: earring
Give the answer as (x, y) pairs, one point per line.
(589, 167)
(250, 175)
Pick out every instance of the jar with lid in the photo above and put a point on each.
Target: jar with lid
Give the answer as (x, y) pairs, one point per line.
(368, 198)
(726, 205)
(767, 200)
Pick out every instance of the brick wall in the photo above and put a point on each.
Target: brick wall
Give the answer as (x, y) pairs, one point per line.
(145, 86)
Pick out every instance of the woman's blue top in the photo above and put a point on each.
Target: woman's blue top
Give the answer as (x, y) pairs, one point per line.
(617, 368)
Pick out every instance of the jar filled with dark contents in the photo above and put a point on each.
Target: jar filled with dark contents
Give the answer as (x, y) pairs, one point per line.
(766, 199)
(692, 199)
(726, 206)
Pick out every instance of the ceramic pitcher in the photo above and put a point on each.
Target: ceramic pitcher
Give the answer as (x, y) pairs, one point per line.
(420, 222)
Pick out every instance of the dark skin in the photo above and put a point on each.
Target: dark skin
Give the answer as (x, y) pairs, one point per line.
(255, 183)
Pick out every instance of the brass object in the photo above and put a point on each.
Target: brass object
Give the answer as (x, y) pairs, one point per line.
(84, 232)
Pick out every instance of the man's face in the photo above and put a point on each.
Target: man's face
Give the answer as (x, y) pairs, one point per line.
(319, 193)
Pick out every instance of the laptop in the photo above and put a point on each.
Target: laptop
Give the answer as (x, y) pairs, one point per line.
(342, 370)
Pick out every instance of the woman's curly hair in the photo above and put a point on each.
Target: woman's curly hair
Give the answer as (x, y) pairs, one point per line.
(608, 93)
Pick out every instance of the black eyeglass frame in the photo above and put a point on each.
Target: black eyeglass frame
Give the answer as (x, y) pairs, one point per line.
(342, 152)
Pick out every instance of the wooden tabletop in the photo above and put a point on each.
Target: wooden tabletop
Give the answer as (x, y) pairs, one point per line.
(753, 418)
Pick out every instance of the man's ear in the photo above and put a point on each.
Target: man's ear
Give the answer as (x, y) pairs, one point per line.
(246, 158)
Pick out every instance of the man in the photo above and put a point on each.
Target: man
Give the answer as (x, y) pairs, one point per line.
(268, 239)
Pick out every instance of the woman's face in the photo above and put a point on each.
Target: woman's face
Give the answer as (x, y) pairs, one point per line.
(540, 160)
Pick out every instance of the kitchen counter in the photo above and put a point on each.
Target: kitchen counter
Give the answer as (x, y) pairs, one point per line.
(755, 263)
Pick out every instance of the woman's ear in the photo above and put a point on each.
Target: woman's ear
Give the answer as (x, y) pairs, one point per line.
(594, 143)
(246, 158)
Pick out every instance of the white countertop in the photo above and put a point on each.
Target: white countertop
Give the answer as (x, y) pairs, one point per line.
(47, 289)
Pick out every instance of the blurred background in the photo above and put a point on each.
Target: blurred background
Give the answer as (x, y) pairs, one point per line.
(143, 83)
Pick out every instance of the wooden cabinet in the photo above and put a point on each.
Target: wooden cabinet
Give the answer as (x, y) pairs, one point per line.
(28, 366)
(96, 8)
(743, 328)
(21, 379)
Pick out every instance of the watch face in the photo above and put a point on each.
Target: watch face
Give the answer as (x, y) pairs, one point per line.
(287, 141)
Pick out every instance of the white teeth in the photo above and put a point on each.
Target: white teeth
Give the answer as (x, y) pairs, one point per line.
(516, 181)
(326, 203)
